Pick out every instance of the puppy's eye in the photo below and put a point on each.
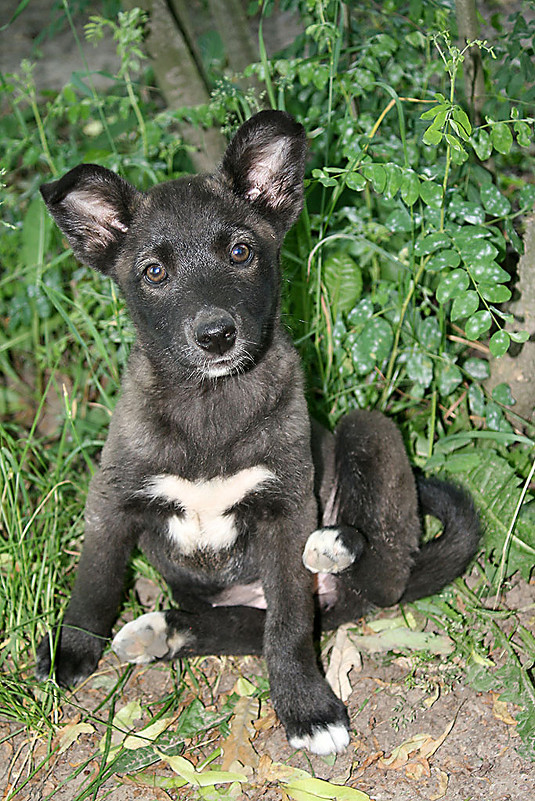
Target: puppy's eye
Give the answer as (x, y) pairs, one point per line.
(155, 274)
(241, 253)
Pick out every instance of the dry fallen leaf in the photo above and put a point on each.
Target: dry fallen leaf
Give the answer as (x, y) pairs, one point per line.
(422, 744)
(442, 788)
(68, 734)
(402, 753)
(501, 712)
(344, 656)
(238, 751)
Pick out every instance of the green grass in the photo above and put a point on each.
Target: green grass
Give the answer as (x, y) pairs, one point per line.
(370, 300)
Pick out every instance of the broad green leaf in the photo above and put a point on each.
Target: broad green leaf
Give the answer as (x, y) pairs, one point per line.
(363, 311)
(448, 379)
(463, 125)
(496, 293)
(494, 202)
(524, 135)
(499, 343)
(452, 285)
(434, 111)
(501, 136)
(519, 336)
(356, 181)
(432, 136)
(466, 211)
(477, 250)
(476, 399)
(372, 346)
(471, 237)
(502, 394)
(428, 244)
(394, 177)
(410, 188)
(496, 489)
(420, 368)
(494, 416)
(430, 334)
(442, 259)
(431, 194)
(487, 272)
(376, 174)
(477, 368)
(464, 305)
(476, 325)
(482, 144)
(399, 220)
(343, 278)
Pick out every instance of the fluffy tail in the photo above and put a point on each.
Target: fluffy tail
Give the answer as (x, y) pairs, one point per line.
(447, 556)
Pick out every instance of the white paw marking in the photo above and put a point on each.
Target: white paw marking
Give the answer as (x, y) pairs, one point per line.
(325, 553)
(206, 521)
(145, 639)
(328, 740)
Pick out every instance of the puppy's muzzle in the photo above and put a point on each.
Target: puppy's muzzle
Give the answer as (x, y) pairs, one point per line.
(214, 331)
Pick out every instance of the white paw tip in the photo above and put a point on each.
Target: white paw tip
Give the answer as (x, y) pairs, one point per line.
(142, 640)
(325, 553)
(331, 739)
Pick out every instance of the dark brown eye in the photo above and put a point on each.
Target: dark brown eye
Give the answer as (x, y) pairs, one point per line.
(155, 274)
(241, 253)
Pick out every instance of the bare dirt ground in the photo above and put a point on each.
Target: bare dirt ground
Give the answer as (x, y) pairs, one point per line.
(418, 732)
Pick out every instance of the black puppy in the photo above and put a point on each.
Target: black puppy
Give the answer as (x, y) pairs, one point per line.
(208, 464)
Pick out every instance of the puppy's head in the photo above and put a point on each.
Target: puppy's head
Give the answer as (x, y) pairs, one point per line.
(196, 258)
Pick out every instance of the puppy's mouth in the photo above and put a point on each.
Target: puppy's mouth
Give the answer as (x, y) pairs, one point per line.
(229, 364)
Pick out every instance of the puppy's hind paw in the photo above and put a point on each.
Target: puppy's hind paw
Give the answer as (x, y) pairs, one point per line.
(325, 552)
(148, 638)
(330, 739)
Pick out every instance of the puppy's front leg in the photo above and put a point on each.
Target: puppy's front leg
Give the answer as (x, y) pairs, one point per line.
(76, 646)
(312, 715)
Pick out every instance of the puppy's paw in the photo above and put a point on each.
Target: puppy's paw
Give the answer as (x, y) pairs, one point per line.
(325, 552)
(322, 722)
(72, 655)
(148, 638)
(330, 739)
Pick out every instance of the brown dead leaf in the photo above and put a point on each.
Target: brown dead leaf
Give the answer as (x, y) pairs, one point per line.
(344, 657)
(370, 760)
(238, 752)
(268, 720)
(501, 712)
(402, 753)
(442, 787)
(428, 749)
(417, 770)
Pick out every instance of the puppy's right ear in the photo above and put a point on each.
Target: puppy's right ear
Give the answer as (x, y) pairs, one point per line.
(93, 207)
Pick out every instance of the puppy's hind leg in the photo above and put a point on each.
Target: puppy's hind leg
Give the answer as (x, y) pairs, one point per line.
(175, 633)
(376, 510)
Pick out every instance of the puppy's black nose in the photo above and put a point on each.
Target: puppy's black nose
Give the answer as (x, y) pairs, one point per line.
(215, 331)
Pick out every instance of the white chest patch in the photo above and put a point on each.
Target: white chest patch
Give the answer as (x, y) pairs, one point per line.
(206, 522)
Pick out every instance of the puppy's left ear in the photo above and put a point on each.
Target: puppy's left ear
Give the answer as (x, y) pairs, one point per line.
(265, 164)
(93, 207)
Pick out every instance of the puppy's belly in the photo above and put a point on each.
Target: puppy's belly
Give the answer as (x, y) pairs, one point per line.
(253, 594)
(206, 520)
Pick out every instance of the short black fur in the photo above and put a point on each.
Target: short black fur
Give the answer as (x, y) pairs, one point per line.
(211, 465)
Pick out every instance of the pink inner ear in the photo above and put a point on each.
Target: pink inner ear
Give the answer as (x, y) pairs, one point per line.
(266, 176)
(89, 207)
